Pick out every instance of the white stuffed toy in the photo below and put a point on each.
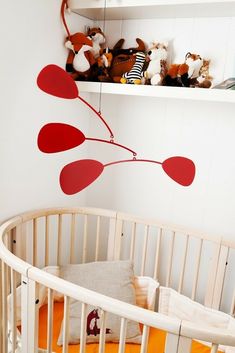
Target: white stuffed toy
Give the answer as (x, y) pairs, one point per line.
(158, 63)
(98, 38)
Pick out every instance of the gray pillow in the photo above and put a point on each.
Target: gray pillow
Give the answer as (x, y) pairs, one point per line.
(112, 278)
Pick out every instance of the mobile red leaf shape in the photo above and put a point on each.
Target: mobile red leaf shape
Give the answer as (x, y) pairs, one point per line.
(58, 137)
(77, 175)
(180, 169)
(54, 80)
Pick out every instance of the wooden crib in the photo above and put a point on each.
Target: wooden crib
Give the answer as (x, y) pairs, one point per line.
(197, 265)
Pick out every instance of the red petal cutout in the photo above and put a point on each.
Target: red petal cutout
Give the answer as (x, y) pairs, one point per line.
(180, 169)
(58, 137)
(77, 175)
(54, 80)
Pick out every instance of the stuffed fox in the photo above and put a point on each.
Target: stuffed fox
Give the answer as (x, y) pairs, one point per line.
(183, 74)
(80, 58)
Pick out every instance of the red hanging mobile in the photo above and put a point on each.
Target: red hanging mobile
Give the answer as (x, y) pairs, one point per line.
(59, 137)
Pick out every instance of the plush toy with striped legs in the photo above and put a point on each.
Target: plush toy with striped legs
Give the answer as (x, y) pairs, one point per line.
(136, 73)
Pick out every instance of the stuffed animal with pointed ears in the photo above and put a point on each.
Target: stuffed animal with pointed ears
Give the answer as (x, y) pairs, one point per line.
(157, 67)
(80, 59)
(184, 75)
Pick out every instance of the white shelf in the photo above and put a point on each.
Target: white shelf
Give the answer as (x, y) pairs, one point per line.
(138, 9)
(195, 94)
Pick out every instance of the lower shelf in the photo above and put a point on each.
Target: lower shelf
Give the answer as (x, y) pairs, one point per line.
(202, 94)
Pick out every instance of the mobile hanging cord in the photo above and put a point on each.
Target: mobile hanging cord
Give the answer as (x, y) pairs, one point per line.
(100, 94)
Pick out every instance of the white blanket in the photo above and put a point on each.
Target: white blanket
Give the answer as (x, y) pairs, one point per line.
(174, 304)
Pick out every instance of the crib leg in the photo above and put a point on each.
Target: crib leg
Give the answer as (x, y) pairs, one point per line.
(29, 320)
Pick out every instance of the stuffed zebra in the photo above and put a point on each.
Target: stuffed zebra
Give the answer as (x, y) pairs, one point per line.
(135, 74)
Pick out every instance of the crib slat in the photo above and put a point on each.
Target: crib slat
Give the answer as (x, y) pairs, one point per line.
(212, 276)
(18, 241)
(13, 309)
(122, 340)
(146, 233)
(72, 241)
(14, 251)
(4, 308)
(133, 234)
(118, 239)
(185, 344)
(102, 332)
(159, 238)
(232, 308)
(21, 236)
(7, 242)
(97, 241)
(219, 283)
(197, 267)
(50, 306)
(66, 324)
(111, 239)
(168, 277)
(27, 237)
(144, 341)
(35, 242)
(46, 240)
(214, 348)
(83, 328)
(84, 240)
(171, 345)
(59, 239)
(13, 232)
(181, 280)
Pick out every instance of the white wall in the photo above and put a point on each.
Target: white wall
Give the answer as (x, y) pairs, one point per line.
(160, 128)
(32, 37)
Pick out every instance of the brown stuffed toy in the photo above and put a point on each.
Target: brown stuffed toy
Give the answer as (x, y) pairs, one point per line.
(205, 79)
(80, 58)
(104, 63)
(123, 59)
(184, 75)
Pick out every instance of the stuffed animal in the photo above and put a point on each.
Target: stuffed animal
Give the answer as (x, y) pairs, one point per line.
(183, 75)
(136, 72)
(204, 80)
(124, 59)
(157, 67)
(80, 58)
(98, 38)
(104, 63)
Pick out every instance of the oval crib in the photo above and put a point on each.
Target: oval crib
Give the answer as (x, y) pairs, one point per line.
(197, 265)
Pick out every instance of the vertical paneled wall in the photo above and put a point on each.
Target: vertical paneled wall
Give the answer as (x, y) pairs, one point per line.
(160, 128)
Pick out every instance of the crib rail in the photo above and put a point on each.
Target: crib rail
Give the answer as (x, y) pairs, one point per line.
(26, 245)
(177, 257)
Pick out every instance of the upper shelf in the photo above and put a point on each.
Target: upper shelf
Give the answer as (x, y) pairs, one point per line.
(137, 9)
(202, 94)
